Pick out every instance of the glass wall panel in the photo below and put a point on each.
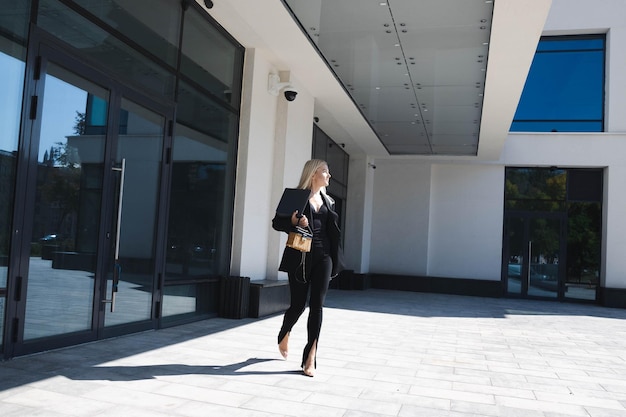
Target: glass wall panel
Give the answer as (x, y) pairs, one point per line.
(139, 150)
(543, 197)
(152, 24)
(584, 240)
(204, 148)
(11, 81)
(105, 50)
(210, 59)
(197, 111)
(67, 210)
(196, 216)
(13, 34)
(14, 18)
(564, 90)
(535, 189)
(196, 205)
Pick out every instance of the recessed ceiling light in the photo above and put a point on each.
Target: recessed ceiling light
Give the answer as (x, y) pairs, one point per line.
(383, 4)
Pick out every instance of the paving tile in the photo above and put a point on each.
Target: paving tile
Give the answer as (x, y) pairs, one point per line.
(382, 353)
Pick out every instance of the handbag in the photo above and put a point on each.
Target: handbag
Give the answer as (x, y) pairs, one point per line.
(300, 240)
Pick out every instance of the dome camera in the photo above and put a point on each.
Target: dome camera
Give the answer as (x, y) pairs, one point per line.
(290, 93)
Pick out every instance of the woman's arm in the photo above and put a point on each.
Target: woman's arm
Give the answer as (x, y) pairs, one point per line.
(287, 224)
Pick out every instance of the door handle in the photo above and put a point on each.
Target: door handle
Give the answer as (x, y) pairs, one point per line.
(530, 256)
(117, 268)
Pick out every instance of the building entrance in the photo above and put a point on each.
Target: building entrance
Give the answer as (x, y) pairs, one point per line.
(534, 252)
(92, 215)
(552, 233)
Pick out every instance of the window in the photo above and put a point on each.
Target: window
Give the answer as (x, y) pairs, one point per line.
(564, 91)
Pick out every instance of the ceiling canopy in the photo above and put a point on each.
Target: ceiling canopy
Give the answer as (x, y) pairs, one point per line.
(416, 70)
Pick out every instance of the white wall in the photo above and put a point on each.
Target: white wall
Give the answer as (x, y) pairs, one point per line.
(358, 223)
(441, 220)
(400, 216)
(466, 212)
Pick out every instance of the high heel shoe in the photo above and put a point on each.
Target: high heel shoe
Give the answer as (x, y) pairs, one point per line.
(283, 346)
(308, 367)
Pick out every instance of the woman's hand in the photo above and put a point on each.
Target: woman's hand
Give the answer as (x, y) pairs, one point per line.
(299, 221)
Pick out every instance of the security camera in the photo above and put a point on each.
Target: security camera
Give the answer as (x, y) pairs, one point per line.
(290, 93)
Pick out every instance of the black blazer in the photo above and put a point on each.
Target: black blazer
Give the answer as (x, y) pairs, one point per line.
(292, 258)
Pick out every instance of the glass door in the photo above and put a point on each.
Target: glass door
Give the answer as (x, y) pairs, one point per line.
(136, 172)
(65, 213)
(92, 209)
(533, 255)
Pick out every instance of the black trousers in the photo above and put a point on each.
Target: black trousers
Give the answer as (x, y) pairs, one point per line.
(315, 288)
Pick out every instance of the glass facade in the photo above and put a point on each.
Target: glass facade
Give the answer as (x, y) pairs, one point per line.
(125, 162)
(14, 32)
(564, 91)
(553, 232)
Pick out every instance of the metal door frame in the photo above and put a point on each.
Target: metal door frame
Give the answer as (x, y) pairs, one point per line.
(41, 49)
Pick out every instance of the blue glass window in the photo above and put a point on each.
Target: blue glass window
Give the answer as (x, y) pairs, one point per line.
(564, 91)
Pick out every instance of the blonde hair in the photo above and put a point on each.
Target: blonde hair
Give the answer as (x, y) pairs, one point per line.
(308, 171)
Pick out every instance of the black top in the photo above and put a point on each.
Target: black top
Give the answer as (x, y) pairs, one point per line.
(318, 224)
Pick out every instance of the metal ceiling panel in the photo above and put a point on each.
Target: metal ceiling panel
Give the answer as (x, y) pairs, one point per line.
(415, 70)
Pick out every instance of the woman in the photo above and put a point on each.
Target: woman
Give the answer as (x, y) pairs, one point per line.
(310, 273)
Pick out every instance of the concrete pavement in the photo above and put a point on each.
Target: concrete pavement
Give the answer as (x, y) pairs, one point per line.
(381, 353)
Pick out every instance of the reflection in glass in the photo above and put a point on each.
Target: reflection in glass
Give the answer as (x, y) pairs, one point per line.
(564, 91)
(67, 209)
(210, 59)
(195, 227)
(196, 205)
(515, 243)
(153, 24)
(197, 111)
(535, 184)
(140, 144)
(574, 194)
(2, 303)
(584, 238)
(104, 49)
(189, 300)
(543, 268)
(11, 81)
